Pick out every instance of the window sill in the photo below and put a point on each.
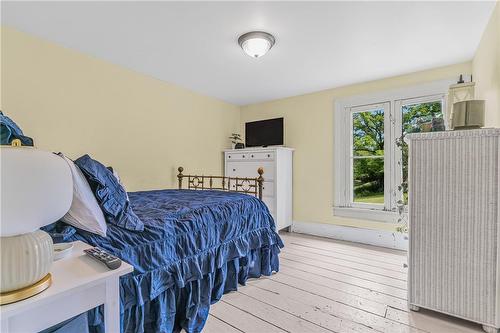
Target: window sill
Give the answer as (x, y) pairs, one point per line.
(366, 214)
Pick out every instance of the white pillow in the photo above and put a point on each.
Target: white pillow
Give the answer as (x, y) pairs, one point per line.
(84, 212)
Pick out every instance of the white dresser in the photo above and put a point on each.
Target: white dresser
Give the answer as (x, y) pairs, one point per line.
(277, 188)
(454, 254)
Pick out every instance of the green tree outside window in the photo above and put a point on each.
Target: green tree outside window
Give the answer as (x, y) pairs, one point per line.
(368, 148)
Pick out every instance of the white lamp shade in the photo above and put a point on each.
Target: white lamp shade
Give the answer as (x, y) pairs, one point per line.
(36, 189)
(256, 47)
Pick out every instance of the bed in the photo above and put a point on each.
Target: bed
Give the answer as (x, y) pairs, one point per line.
(195, 247)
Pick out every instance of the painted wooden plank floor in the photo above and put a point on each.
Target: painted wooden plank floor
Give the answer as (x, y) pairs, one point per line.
(329, 286)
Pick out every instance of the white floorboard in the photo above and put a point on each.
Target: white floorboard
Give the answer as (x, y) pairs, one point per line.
(243, 320)
(215, 325)
(329, 286)
(273, 315)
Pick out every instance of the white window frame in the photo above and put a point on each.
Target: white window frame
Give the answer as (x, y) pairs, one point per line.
(393, 100)
(386, 106)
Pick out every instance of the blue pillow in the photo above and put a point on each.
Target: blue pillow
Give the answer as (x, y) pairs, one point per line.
(110, 195)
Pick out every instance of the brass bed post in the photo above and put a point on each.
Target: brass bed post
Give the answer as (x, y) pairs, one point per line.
(260, 181)
(179, 177)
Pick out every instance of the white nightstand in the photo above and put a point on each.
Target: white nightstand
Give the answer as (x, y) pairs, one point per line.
(79, 283)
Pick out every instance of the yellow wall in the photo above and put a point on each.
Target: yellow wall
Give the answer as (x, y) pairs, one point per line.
(309, 129)
(486, 69)
(143, 127)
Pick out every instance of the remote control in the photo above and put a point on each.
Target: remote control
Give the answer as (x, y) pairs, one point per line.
(107, 259)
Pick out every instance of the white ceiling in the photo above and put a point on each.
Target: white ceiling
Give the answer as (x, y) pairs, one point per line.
(319, 45)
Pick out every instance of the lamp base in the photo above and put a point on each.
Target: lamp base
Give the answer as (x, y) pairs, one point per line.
(26, 292)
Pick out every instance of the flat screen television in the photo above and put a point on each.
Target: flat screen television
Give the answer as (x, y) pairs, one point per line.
(264, 133)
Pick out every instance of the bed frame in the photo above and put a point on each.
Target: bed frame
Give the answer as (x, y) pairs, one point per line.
(231, 184)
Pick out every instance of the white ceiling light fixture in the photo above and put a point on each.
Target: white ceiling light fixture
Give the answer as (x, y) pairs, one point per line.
(256, 43)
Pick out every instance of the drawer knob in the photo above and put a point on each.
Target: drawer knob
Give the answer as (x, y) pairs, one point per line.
(251, 155)
(243, 156)
(268, 155)
(234, 169)
(229, 156)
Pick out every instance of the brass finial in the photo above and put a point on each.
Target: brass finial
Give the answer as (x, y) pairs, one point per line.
(180, 176)
(16, 143)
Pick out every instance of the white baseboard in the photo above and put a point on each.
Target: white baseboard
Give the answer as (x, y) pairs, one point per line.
(388, 239)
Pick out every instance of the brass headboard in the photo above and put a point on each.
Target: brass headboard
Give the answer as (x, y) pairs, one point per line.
(231, 184)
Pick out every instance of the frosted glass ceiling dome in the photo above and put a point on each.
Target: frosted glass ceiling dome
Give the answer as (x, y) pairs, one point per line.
(256, 43)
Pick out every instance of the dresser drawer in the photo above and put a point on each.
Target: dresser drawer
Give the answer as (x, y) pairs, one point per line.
(249, 169)
(262, 156)
(267, 189)
(244, 156)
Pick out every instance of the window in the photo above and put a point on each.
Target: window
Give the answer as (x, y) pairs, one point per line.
(414, 113)
(368, 147)
(371, 160)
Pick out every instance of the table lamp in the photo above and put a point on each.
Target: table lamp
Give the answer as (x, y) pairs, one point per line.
(36, 189)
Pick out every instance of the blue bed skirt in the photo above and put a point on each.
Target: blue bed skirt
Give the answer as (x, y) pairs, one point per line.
(188, 303)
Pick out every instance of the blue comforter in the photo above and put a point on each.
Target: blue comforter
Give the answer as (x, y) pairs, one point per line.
(196, 246)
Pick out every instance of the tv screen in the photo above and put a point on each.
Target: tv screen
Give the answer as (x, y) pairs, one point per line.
(264, 133)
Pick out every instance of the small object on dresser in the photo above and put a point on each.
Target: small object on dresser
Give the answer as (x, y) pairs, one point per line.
(426, 126)
(438, 124)
(107, 259)
(236, 141)
(62, 250)
(468, 114)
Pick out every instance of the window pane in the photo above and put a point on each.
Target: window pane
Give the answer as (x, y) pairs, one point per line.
(414, 115)
(368, 174)
(368, 133)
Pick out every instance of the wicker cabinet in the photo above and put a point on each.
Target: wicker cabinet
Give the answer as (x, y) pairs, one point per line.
(277, 187)
(454, 253)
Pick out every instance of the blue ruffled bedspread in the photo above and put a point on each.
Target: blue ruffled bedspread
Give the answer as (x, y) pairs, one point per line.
(196, 246)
